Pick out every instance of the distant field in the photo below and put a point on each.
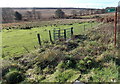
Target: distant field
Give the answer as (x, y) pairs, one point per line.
(46, 13)
(15, 40)
(47, 22)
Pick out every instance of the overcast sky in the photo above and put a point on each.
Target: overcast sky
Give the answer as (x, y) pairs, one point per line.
(60, 3)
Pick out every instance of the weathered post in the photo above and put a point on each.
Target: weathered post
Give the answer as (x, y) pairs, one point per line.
(39, 40)
(65, 34)
(118, 28)
(54, 34)
(50, 37)
(59, 33)
(115, 27)
(118, 32)
(71, 32)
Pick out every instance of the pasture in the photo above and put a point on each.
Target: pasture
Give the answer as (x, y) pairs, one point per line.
(89, 59)
(16, 41)
(87, 55)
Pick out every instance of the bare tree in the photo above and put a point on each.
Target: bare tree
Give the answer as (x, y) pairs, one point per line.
(18, 16)
(74, 12)
(59, 13)
(36, 14)
(28, 15)
(34, 17)
(7, 15)
(80, 12)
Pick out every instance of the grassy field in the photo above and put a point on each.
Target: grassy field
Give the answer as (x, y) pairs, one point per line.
(15, 41)
(91, 57)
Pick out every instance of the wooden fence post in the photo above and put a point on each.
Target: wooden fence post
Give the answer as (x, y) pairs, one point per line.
(84, 27)
(54, 34)
(71, 32)
(39, 40)
(115, 27)
(65, 34)
(59, 33)
(50, 37)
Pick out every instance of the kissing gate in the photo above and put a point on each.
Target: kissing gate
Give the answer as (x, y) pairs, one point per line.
(62, 33)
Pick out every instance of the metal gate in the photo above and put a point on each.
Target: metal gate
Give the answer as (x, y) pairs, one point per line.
(62, 33)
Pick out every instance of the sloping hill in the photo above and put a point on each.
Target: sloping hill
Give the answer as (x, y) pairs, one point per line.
(90, 57)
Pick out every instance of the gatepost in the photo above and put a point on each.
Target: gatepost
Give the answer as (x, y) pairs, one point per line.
(118, 27)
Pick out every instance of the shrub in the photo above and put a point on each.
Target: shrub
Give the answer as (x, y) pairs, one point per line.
(14, 77)
(49, 58)
(7, 66)
(86, 63)
(71, 45)
(69, 75)
(48, 70)
(51, 55)
(60, 47)
(68, 64)
(59, 13)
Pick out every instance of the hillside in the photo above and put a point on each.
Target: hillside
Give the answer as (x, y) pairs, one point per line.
(49, 12)
(87, 57)
(33, 14)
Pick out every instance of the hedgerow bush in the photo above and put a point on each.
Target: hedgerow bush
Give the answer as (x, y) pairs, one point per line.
(14, 77)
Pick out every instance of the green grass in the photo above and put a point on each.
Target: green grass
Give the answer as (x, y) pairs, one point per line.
(92, 61)
(13, 40)
(106, 74)
(69, 75)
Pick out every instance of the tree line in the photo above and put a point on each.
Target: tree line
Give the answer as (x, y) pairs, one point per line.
(9, 15)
